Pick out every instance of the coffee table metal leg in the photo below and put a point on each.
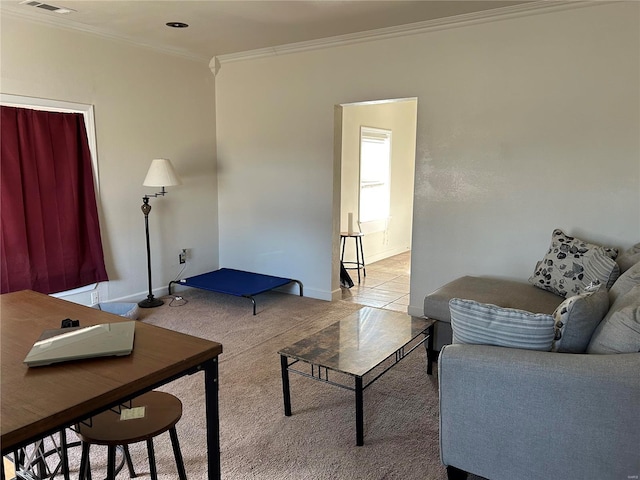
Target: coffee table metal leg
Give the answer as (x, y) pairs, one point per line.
(359, 413)
(430, 352)
(286, 395)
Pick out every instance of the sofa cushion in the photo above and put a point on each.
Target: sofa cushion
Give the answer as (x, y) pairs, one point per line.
(619, 332)
(571, 264)
(485, 324)
(496, 291)
(576, 319)
(628, 258)
(629, 279)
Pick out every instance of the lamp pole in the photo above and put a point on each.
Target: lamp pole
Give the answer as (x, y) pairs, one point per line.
(150, 301)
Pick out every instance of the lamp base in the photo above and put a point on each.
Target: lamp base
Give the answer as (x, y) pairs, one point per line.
(150, 302)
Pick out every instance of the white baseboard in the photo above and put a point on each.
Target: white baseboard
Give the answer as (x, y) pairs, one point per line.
(386, 254)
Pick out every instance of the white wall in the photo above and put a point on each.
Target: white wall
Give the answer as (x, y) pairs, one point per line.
(147, 105)
(524, 125)
(400, 118)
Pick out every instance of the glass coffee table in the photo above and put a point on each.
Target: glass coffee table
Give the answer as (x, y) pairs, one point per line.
(365, 344)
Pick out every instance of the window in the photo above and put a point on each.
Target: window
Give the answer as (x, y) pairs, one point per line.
(375, 168)
(51, 235)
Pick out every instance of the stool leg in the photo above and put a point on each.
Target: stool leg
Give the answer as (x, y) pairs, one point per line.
(18, 458)
(127, 458)
(41, 466)
(64, 457)
(364, 270)
(84, 462)
(357, 257)
(111, 462)
(152, 460)
(177, 453)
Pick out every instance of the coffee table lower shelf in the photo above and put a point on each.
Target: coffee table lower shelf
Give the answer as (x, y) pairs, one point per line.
(319, 370)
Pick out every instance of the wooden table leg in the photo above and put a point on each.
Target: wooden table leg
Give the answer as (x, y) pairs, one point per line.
(213, 419)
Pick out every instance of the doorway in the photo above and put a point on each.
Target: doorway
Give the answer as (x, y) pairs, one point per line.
(392, 121)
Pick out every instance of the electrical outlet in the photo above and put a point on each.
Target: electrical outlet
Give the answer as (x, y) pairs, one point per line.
(183, 256)
(95, 297)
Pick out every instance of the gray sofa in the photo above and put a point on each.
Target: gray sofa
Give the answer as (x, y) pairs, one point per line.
(510, 414)
(513, 413)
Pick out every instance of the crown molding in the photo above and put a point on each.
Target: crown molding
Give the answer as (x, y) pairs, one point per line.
(521, 10)
(69, 25)
(515, 11)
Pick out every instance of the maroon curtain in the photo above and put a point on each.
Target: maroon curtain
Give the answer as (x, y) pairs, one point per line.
(50, 231)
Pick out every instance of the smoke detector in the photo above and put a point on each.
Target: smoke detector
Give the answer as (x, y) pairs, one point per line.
(47, 7)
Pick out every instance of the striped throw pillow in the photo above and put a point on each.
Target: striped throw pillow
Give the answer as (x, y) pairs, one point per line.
(486, 324)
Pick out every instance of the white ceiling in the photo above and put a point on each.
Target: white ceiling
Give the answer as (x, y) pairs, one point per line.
(226, 27)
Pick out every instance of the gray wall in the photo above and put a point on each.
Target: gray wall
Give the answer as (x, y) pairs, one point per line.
(147, 105)
(525, 124)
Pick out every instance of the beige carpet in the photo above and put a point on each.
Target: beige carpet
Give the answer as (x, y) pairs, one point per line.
(318, 440)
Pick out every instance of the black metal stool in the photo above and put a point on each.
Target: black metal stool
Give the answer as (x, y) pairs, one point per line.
(148, 416)
(359, 263)
(32, 461)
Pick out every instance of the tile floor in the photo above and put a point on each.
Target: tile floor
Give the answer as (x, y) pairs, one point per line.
(385, 286)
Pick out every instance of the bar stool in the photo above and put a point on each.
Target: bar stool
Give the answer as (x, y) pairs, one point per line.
(148, 416)
(359, 263)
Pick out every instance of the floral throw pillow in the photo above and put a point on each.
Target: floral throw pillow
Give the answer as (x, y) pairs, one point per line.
(572, 264)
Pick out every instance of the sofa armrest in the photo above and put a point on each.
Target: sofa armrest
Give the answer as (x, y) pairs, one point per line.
(509, 413)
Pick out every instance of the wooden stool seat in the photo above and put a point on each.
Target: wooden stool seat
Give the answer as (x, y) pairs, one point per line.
(148, 416)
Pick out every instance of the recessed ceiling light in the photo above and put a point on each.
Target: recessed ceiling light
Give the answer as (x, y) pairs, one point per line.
(177, 25)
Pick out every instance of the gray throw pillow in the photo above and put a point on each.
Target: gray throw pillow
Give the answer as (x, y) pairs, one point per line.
(576, 318)
(625, 282)
(571, 264)
(486, 324)
(619, 332)
(628, 258)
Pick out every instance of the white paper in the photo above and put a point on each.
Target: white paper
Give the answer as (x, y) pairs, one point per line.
(132, 413)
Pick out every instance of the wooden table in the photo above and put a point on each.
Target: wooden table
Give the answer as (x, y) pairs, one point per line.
(36, 402)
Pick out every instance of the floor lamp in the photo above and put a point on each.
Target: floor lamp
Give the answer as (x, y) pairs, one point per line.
(160, 174)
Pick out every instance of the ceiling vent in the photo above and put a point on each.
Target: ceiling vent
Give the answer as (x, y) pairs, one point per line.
(45, 6)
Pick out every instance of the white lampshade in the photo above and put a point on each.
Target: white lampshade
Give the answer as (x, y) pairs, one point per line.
(161, 174)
